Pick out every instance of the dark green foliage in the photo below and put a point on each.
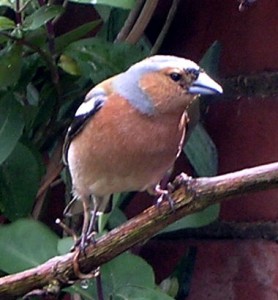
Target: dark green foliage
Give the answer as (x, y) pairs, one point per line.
(43, 79)
(25, 244)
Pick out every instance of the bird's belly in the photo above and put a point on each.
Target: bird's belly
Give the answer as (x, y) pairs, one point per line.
(123, 156)
(129, 173)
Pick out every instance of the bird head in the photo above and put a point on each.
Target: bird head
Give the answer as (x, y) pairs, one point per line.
(164, 83)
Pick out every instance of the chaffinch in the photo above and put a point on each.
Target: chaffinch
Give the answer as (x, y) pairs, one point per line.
(130, 129)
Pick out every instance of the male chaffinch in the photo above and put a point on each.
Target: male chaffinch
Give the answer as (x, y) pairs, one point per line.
(130, 129)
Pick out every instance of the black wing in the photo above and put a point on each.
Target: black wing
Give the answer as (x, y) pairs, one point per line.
(92, 104)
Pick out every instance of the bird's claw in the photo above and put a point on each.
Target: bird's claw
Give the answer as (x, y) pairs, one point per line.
(79, 247)
(165, 195)
(83, 242)
(76, 268)
(181, 179)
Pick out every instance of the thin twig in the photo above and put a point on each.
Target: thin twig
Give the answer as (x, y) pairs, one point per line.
(18, 15)
(99, 287)
(53, 170)
(24, 5)
(49, 31)
(56, 19)
(165, 28)
(142, 22)
(54, 72)
(129, 21)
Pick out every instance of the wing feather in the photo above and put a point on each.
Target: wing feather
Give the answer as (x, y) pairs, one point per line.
(92, 104)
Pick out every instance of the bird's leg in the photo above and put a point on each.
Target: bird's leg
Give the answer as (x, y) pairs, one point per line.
(91, 231)
(89, 221)
(87, 235)
(76, 268)
(86, 220)
(101, 204)
(164, 194)
(81, 243)
(88, 232)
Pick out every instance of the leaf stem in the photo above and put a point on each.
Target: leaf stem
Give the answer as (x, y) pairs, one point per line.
(18, 14)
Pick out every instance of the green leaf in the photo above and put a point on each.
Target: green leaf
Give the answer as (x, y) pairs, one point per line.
(48, 98)
(114, 218)
(125, 277)
(114, 20)
(37, 38)
(10, 65)
(179, 282)
(64, 40)
(5, 6)
(4, 39)
(69, 65)
(65, 245)
(32, 94)
(139, 293)
(125, 4)
(25, 244)
(11, 125)
(98, 59)
(104, 11)
(6, 23)
(210, 61)
(30, 66)
(199, 219)
(19, 182)
(41, 16)
(170, 286)
(202, 152)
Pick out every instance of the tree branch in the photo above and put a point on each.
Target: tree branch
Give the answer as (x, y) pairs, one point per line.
(190, 195)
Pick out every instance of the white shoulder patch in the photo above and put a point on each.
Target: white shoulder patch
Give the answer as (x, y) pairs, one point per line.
(91, 100)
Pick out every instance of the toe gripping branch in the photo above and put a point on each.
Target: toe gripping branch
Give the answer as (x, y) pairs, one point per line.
(79, 248)
(87, 236)
(166, 194)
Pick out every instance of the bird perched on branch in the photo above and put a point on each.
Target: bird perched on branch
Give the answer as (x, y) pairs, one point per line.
(130, 129)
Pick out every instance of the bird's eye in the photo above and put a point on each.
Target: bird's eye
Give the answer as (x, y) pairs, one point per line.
(175, 76)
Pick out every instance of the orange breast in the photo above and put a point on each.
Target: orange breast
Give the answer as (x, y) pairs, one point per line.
(121, 149)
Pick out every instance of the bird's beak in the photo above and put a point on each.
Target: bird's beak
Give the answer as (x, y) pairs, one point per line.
(204, 85)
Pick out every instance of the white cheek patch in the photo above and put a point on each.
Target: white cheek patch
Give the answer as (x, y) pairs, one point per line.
(91, 100)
